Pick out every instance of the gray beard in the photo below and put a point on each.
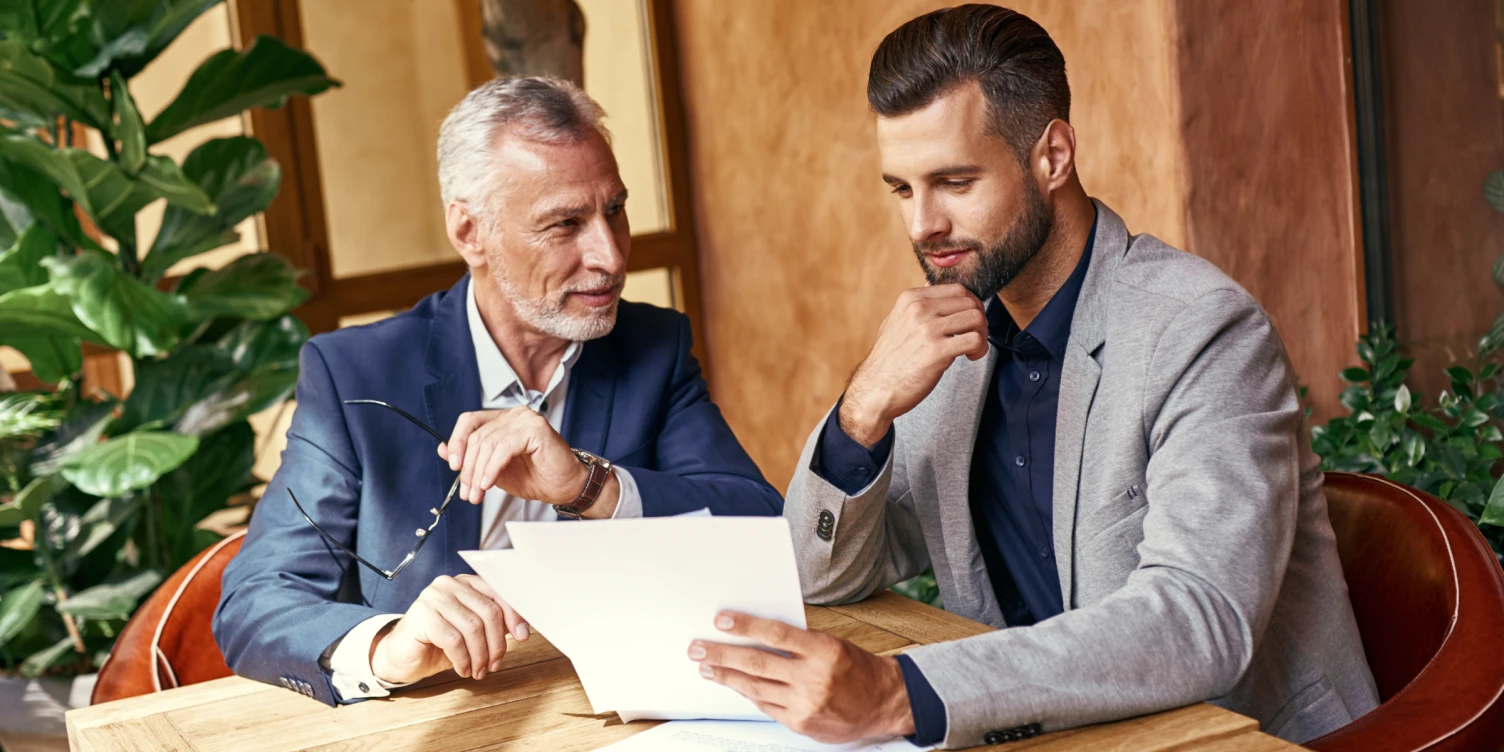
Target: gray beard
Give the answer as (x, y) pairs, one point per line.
(1002, 262)
(547, 314)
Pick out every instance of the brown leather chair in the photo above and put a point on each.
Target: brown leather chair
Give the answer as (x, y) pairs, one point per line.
(1429, 598)
(169, 642)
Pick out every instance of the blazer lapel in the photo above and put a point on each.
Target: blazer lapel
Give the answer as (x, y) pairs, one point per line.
(951, 415)
(1078, 387)
(454, 388)
(592, 389)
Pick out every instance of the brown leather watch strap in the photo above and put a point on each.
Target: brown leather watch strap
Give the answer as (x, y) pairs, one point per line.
(595, 483)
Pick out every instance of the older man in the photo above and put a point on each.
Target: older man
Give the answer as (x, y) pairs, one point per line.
(558, 400)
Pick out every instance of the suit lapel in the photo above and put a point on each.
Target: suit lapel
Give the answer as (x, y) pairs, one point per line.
(454, 388)
(587, 409)
(952, 414)
(1078, 387)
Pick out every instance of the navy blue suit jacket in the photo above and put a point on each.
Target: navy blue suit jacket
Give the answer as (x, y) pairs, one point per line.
(369, 477)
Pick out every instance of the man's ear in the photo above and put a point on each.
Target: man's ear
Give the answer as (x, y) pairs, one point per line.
(464, 229)
(1054, 155)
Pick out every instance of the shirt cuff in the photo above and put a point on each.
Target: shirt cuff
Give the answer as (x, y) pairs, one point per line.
(844, 463)
(628, 498)
(925, 705)
(349, 662)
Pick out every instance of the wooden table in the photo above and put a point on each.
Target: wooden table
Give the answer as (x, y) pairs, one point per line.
(536, 703)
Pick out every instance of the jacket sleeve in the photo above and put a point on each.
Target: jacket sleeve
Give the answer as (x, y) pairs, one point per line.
(698, 462)
(1222, 422)
(849, 545)
(278, 610)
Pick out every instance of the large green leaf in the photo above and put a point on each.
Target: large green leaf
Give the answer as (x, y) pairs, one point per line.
(256, 286)
(112, 600)
(81, 429)
(204, 484)
(265, 355)
(52, 358)
(21, 265)
(18, 608)
(128, 463)
(27, 503)
(166, 387)
(1493, 190)
(107, 193)
(167, 19)
(31, 84)
(242, 181)
(27, 196)
(42, 311)
(130, 129)
(231, 81)
(1493, 512)
(38, 662)
(127, 313)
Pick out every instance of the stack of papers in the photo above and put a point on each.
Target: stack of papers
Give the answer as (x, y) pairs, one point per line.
(623, 599)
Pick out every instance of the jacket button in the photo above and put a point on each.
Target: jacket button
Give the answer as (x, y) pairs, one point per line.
(826, 526)
(1033, 729)
(994, 737)
(362, 687)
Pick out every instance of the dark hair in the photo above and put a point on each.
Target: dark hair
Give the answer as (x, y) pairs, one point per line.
(1018, 66)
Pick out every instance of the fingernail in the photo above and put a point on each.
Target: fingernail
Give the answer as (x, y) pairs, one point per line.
(464, 490)
(521, 632)
(496, 666)
(454, 462)
(706, 671)
(723, 622)
(481, 674)
(696, 653)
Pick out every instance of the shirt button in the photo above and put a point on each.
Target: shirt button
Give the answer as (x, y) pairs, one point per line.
(1044, 553)
(1019, 460)
(362, 686)
(1033, 375)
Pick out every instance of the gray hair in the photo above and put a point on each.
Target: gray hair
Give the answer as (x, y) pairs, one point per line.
(537, 108)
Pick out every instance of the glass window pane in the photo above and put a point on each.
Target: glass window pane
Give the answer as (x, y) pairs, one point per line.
(619, 73)
(402, 66)
(655, 286)
(153, 89)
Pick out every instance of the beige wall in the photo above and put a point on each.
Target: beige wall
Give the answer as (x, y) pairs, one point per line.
(802, 251)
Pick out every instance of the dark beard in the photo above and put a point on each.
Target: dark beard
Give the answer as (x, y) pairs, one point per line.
(1001, 263)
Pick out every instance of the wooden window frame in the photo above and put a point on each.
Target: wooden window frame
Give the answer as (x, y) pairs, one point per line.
(296, 226)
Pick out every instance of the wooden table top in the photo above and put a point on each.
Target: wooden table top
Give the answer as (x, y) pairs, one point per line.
(536, 703)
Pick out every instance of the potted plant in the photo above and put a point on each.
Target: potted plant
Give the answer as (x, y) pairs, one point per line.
(101, 494)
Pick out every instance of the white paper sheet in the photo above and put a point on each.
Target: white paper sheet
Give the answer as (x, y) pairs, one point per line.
(741, 736)
(624, 598)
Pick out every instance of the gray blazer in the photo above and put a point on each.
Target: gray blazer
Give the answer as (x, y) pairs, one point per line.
(1195, 555)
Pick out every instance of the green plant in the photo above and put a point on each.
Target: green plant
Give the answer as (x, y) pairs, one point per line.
(101, 494)
(1448, 450)
(1493, 193)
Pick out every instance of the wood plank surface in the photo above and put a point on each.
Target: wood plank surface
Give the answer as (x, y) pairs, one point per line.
(536, 703)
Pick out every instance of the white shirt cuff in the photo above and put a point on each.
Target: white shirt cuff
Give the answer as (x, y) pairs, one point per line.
(350, 663)
(628, 499)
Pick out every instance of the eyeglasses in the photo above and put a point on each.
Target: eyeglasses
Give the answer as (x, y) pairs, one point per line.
(423, 533)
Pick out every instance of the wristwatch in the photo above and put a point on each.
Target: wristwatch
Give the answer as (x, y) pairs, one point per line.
(600, 469)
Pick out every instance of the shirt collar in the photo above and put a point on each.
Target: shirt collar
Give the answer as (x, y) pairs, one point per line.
(1052, 327)
(497, 377)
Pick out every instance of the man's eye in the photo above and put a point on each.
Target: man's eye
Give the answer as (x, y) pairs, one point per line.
(567, 223)
(901, 190)
(615, 209)
(958, 183)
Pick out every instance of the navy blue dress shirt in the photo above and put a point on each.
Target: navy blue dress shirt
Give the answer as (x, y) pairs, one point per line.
(1012, 479)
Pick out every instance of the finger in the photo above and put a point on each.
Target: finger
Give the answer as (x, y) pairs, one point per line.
(494, 619)
(931, 292)
(753, 688)
(943, 306)
(454, 449)
(474, 650)
(748, 660)
(966, 320)
(437, 631)
(517, 625)
(501, 453)
(477, 445)
(971, 344)
(771, 632)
